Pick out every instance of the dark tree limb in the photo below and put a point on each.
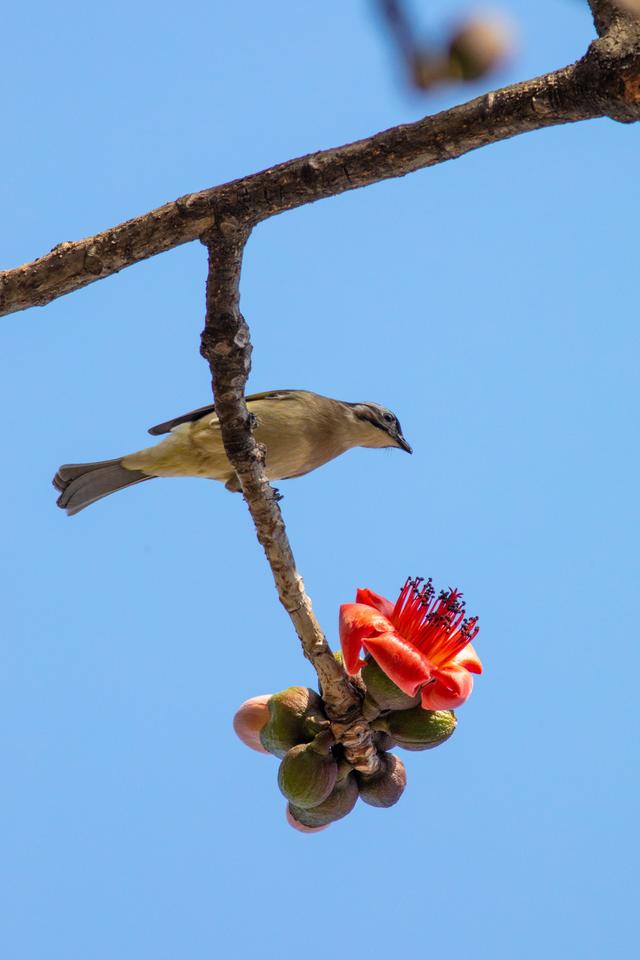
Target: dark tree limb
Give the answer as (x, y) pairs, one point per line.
(606, 82)
(227, 347)
(610, 13)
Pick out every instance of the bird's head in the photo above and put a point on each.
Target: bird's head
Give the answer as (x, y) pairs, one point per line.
(378, 427)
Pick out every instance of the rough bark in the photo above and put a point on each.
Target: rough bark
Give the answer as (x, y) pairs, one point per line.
(226, 345)
(606, 82)
(607, 13)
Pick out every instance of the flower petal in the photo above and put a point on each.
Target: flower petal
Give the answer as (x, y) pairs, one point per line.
(451, 687)
(358, 621)
(381, 604)
(469, 659)
(402, 663)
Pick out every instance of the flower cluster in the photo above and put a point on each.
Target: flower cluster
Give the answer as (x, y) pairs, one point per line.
(414, 662)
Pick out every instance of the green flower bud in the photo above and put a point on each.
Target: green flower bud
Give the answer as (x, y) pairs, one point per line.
(306, 776)
(296, 715)
(382, 693)
(383, 741)
(356, 680)
(344, 769)
(338, 804)
(384, 788)
(418, 729)
(291, 820)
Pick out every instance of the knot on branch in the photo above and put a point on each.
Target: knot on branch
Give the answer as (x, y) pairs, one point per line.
(93, 263)
(357, 740)
(227, 228)
(226, 336)
(609, 74)
(310, 173)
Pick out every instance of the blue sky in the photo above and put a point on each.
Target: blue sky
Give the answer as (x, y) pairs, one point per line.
(491, 303)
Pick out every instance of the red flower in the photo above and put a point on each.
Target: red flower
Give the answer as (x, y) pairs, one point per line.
(422, 643)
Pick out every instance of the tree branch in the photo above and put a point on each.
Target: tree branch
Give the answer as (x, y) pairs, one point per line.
(606, 82)
(608, 13)
(590, 88)
(226, 345)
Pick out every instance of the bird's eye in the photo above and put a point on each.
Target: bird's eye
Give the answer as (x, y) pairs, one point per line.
(388, 418)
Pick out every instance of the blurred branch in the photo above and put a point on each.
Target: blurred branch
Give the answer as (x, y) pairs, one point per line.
(475, 48)
(399, 26)
(424, 65)
(603, 83)
(226, 345)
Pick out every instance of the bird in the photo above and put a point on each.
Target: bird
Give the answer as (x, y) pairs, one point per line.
(300, 430)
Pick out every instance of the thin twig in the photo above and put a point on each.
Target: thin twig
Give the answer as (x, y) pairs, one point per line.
(606, 82)
(226, 345)
(400, 29)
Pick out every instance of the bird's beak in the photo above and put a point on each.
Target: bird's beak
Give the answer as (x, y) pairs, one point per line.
(402, 443)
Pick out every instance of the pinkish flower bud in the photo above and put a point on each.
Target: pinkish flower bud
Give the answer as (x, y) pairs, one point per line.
(301, 826)
(250, 719)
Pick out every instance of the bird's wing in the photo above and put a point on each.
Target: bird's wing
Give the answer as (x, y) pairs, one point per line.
(168, 425)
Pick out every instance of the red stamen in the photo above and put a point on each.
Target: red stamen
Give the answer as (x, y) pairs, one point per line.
(435, 626)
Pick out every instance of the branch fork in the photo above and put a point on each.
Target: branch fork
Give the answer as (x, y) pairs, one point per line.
(605, 82)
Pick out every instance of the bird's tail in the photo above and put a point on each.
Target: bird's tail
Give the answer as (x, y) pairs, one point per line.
(81, 484)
